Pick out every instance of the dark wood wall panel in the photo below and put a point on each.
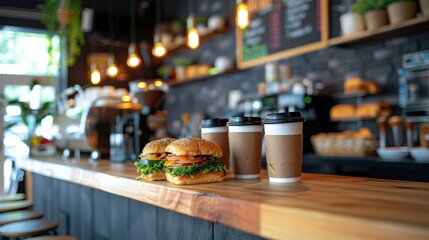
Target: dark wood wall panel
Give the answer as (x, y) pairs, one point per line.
(221, 232)
(102, 215)
(119, 220)
(142, 224)
(172, 225)
(86, 213)
(91, 214)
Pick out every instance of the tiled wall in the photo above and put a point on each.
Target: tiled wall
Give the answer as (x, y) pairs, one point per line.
(378, 61)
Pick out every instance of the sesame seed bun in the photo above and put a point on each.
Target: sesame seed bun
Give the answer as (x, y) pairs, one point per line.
(157, 146)
(194, 147)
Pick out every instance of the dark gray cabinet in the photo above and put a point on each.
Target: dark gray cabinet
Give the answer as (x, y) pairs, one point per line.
(93, 214)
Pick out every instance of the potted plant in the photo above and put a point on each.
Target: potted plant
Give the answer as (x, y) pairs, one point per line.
(351, 22)
(424, 6)
(373, 11)
(180, 64)
(401, 10)
(164, 72)
(63, 17)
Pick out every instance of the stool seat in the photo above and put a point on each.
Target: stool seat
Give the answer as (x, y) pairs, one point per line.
(16, 205)
(16, 216)
(53, 238)
(12, 197)
(27, 228)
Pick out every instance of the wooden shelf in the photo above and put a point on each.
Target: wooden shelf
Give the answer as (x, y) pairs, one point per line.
(206, 36)
(276, 211)
(173, 83)
(391, 30)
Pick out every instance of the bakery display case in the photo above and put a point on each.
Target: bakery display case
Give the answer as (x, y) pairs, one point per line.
(414, 102)
(414, 87)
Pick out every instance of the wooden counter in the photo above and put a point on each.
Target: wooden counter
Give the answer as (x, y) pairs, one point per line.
(321, 206)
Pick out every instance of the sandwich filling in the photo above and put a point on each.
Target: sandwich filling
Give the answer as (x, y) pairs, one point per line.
(192, 165)
(150, 163)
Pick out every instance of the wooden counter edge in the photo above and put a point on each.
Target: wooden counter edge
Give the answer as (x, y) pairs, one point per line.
(296, 225)
(238, 214)
(262, 219)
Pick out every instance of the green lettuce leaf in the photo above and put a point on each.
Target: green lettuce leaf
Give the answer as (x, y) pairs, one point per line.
(211, 165)
(152, 167)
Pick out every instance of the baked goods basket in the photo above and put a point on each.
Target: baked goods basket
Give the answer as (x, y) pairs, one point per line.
(340, 144)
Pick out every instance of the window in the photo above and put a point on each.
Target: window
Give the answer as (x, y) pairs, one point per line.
(25, 52)
(24, 58)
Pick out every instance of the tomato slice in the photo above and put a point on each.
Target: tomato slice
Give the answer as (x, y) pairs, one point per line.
(183, 162)
(185, 158)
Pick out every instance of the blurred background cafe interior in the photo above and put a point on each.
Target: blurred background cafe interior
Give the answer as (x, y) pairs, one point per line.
(357, 71)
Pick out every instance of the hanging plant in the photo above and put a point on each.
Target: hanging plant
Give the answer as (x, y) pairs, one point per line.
(63, 17)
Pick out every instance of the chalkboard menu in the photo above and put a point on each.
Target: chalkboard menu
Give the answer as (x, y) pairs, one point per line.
(281, 28)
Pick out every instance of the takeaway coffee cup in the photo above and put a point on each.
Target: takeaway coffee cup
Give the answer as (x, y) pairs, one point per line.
(216, 130)
(245, 146)
(283, 142)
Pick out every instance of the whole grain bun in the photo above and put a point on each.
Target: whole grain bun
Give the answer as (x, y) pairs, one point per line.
(197, 179)
(157, 146)
(372, 87)
(159, 176)
(193, 147)
(354, 85)
(342, 111)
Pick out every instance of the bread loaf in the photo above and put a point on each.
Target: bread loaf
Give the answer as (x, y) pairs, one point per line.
(369, 110)
(372, 87)
(373, 110)
(342, 111)
(354, 85)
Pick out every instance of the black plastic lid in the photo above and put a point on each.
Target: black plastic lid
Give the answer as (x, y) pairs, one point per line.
(241, 121)
(285, 117)
(214, 122)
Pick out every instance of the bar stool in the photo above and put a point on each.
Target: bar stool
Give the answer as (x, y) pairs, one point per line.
(52, 238)
(16, 205)
(12, 197)
(17, 216)
(28, 228)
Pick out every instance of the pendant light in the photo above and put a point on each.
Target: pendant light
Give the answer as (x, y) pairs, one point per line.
(158, 49)
(95, 74)
(242, 18)
(112, 70)
(192, 37)
(133, 60)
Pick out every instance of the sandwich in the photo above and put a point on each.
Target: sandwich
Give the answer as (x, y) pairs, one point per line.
(150, 163)
(194, 161)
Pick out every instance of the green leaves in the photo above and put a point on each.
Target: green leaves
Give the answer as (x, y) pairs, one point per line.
(192, 170)
(363, 6)
(153, 166)
(47, 108)
(72, 31)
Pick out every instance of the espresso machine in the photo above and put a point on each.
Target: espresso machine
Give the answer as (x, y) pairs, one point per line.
(112, 128)
(151, 94)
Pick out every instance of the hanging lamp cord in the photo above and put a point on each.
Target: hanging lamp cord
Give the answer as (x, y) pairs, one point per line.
(190, 7)
(132, 22)
(158, 11)
(111, 28)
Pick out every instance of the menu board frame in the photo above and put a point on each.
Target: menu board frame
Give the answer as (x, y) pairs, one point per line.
(322, 43)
